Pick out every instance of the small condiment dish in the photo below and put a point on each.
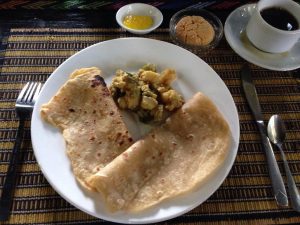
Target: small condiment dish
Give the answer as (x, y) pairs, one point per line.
(212, 19)
(140, 9)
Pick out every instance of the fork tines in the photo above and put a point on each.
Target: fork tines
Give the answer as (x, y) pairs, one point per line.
(29, 93)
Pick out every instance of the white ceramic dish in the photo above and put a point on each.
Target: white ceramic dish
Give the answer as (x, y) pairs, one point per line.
(130, 54)
(139, 9)
(235, 34)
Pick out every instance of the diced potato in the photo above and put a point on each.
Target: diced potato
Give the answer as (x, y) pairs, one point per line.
(132, 99)
(128, 87)
(172, 100)
(148, 103)
(149, 77)
(157, 113)
(167, 77)
(129, 101)
(146, 91)
(163, 89)
(118, 82)
(149, 66)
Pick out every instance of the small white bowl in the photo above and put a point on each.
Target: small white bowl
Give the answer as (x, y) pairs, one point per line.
(139, 9)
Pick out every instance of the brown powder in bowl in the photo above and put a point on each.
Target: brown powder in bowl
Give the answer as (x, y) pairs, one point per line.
(194, 30)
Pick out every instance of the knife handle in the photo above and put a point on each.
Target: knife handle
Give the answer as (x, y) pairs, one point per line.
(275, 175)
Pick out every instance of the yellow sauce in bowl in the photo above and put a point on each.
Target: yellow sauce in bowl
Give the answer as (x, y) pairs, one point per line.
(138, 22)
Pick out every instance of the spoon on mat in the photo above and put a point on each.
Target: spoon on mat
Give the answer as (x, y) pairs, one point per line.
(276, 133)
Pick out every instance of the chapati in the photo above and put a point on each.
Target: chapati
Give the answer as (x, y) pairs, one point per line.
(90, 122)
(172, 160)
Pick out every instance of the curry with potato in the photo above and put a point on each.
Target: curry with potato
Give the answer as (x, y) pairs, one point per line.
(147, 92)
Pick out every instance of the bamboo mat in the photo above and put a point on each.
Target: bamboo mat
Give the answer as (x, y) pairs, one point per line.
(246, 195)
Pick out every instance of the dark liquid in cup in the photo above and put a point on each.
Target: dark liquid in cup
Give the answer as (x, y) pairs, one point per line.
(280, 18)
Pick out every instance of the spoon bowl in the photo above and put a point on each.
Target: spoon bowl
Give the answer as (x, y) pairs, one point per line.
(276, 130)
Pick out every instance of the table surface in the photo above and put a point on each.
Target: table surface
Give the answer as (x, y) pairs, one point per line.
(34, 41)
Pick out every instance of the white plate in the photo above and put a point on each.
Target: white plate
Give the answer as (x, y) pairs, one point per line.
(235, 34)
(130, 54)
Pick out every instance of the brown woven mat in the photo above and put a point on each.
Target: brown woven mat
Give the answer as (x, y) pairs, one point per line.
(246, 195)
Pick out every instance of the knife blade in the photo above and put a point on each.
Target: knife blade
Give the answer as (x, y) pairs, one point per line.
(274, 172)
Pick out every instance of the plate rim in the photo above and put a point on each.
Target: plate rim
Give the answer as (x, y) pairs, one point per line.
(230, 42)
(95, 214)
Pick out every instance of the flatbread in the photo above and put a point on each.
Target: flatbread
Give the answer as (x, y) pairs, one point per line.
(172, 160)
(90, 122)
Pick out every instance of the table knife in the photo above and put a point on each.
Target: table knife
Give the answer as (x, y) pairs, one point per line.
(274, 172)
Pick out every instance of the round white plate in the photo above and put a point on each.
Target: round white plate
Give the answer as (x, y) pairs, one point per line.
(130, 54)
(235, 34)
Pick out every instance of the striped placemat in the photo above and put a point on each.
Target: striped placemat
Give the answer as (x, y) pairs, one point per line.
(246, 195)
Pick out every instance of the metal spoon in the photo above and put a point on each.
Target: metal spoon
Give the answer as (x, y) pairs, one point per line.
(276, 133)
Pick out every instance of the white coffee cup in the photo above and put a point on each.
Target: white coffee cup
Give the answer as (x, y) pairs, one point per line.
(268, 38)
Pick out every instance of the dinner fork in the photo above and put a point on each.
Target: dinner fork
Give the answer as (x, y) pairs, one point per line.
(24, 107)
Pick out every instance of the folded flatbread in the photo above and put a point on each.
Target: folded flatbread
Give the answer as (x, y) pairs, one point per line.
(90, 122)
(171, 160)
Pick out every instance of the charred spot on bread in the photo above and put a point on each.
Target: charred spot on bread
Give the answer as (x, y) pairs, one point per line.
(98, 80)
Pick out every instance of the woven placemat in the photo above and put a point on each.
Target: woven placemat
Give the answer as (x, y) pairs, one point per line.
(246, 195)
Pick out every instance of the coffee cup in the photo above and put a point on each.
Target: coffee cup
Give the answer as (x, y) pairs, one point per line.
(274, 25)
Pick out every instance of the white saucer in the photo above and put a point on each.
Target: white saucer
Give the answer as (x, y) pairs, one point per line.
(236, 37)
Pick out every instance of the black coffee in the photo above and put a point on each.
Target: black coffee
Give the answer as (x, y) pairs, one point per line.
(280, 18)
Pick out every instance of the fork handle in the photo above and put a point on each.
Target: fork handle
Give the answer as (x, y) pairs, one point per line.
(8, 187)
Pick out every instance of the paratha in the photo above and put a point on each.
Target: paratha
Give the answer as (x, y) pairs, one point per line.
(90, 122)
(171, 160)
